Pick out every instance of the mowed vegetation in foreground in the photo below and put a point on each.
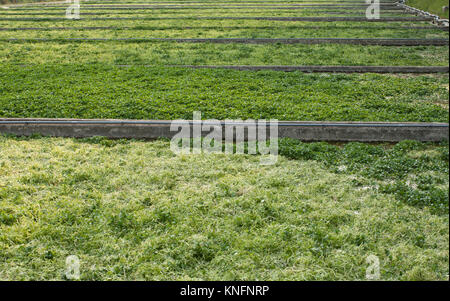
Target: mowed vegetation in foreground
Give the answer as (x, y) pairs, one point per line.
(133, 210)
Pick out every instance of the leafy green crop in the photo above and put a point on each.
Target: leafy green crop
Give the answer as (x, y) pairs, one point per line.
(79, 91)
(416, 173)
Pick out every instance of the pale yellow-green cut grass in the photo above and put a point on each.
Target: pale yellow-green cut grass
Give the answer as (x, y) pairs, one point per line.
(132, 210)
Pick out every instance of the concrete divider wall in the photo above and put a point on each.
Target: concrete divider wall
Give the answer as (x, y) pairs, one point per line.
(301, 19)
(306, 131)
(336, 69)
(308, 41)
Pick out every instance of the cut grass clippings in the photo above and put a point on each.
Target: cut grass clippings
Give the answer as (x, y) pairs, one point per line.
(132, 210)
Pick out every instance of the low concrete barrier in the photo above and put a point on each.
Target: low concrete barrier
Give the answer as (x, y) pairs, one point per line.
(127, 12)
(300, 19)
(309, 7)
(308, 41)
(330, 69)
(182, 3)
(220, 27)
(152, 129)
(391, 6)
